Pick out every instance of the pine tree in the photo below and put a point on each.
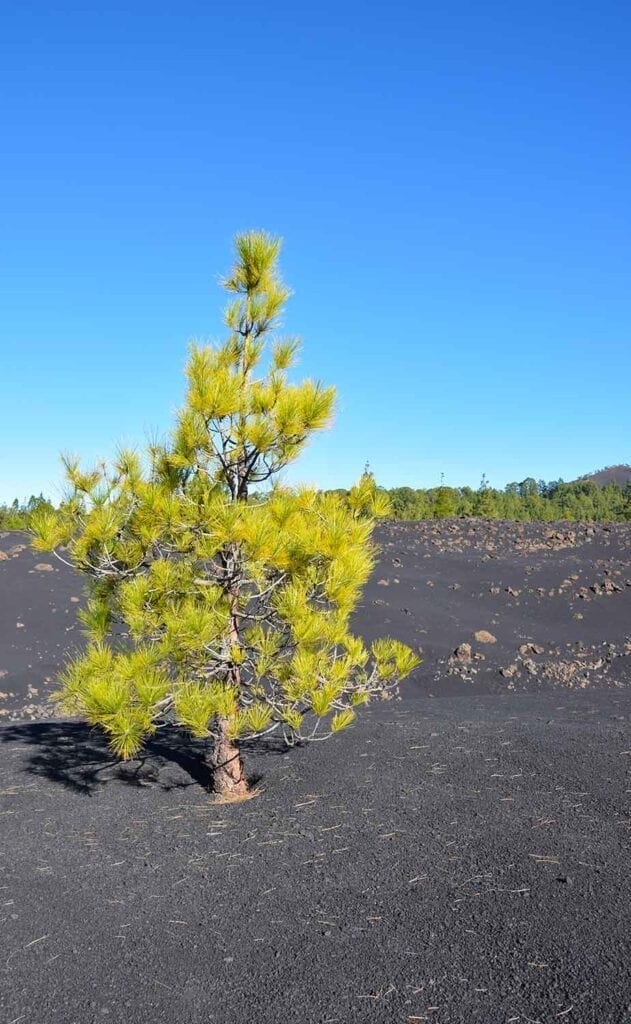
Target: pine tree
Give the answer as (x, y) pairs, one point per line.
(445, 502)
(485, 504)
(227, 616)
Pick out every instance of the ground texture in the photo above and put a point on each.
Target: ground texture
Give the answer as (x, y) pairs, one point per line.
(459, 857)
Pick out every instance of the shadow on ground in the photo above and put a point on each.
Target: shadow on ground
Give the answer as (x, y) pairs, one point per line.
(77, 756)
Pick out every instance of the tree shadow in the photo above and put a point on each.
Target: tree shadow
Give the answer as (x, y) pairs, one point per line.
(75, 755)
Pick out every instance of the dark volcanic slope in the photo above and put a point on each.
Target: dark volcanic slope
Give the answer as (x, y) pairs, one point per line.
(566, 589)
(39, 596)
(450, 860)
(458, 859)
(620, 474)
(556, 598)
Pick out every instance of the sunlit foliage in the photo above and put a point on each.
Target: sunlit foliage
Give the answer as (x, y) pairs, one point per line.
(226, 613)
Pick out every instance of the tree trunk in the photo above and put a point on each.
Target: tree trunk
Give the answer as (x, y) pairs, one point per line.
(228, 774)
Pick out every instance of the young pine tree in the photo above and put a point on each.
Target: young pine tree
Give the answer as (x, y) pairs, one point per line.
(444, 502)
(227, 616)
(485, 503)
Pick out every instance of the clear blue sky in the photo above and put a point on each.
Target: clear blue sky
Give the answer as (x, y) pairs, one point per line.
(452, 182)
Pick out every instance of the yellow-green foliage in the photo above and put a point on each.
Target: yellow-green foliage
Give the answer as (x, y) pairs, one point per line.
(206, 607)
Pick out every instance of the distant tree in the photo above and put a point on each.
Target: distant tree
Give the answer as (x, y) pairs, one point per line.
(485, 504)
(445, 502)
(36, 502)
(528, 488)
(404, 503)
(466, 502)
(225, 616)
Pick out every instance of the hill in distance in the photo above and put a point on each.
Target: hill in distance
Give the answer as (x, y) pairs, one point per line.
(610, 474)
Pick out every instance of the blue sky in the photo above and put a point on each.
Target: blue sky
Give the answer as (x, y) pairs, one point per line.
(452, 183)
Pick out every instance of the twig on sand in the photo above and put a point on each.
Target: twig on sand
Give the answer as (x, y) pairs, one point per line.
(381, 994)
(20, 949)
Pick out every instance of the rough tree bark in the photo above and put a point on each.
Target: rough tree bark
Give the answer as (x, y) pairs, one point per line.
(227, 773)
(228, 776)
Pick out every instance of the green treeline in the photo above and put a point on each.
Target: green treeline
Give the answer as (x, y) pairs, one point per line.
(528, 500)
(531, 499)
(17, 515)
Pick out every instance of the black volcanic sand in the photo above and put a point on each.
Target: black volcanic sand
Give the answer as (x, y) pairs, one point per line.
(459, 858)
(39, 597)
(563, 588)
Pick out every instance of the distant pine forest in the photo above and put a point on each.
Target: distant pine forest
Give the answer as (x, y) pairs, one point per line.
(531, 500)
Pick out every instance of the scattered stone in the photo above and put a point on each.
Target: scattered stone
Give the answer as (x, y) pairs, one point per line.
(463, 652)
(531, 649)
(610, 587)
(484, 637)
